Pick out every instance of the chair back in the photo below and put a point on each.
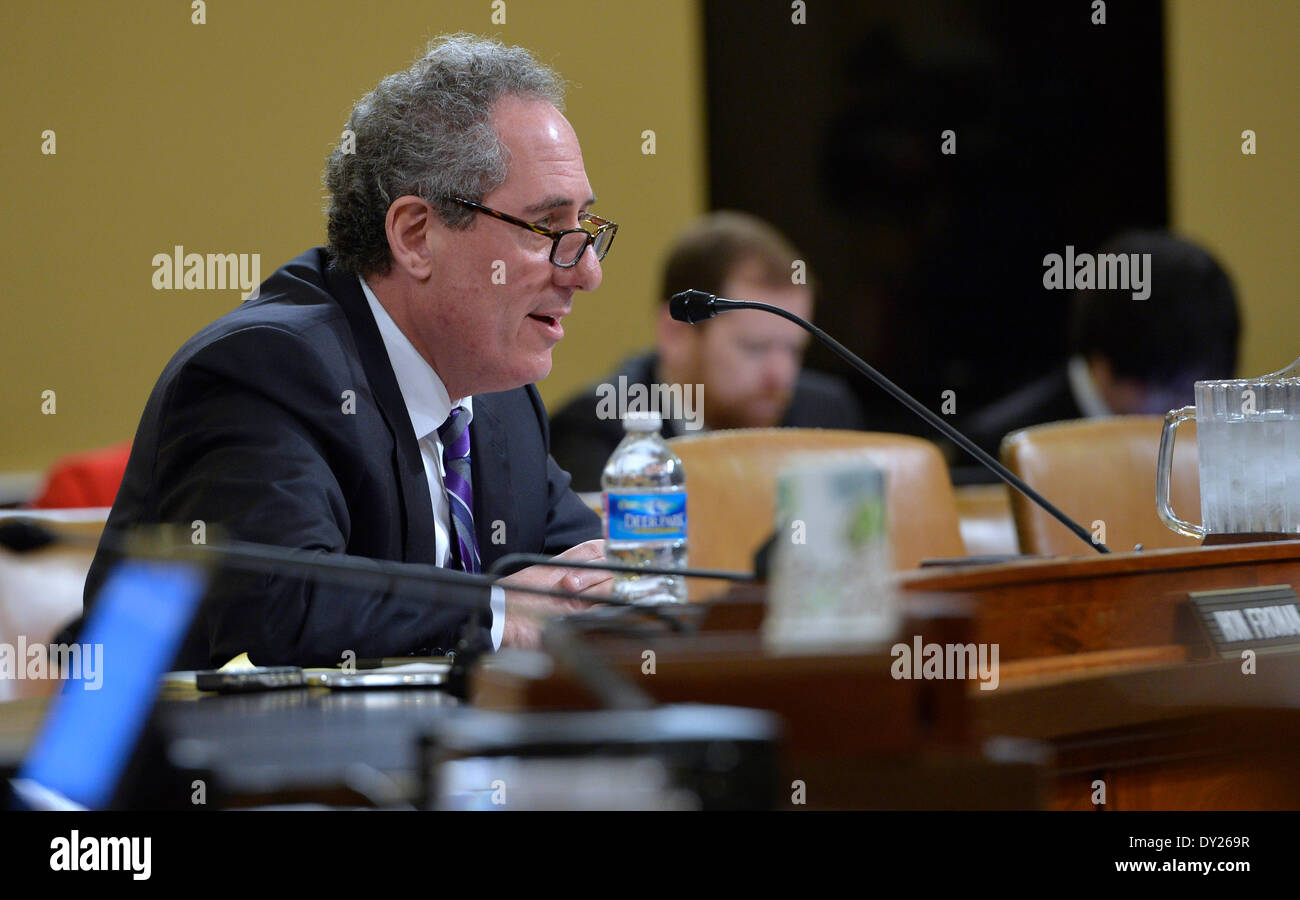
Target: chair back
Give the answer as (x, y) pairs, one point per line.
(1098, 471)
(731, 481)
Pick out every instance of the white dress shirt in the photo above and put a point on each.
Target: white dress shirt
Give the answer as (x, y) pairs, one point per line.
(1084, 389)
(428, 405)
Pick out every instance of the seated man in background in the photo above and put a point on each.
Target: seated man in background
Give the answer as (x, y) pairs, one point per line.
(376, 396)
(747, 363)
(1130, 356)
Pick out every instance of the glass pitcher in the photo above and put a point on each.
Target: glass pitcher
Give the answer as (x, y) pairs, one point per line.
(1248, 454)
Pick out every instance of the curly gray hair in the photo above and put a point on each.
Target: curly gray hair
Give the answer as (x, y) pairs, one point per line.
(426, 131)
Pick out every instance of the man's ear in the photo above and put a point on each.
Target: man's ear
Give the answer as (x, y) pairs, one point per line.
(414, 231)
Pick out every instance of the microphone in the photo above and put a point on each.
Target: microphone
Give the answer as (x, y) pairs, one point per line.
(457, 588)
(695, 306)
(25, 535)
(514, 561)
(612, 689)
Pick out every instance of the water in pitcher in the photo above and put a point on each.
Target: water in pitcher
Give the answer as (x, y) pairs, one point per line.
(1248, 443)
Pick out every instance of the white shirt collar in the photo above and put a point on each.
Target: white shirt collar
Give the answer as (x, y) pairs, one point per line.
(1084, 389)
(426, 398)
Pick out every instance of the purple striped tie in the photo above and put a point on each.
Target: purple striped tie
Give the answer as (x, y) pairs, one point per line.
(454, 435)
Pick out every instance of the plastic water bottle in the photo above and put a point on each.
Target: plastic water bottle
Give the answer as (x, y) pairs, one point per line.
(645, 512)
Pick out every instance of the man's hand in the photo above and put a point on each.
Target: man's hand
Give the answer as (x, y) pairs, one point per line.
(526, 614)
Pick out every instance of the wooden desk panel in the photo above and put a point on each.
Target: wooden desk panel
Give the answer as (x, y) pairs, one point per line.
(854, 736)
(1097, 659)
(1159, 735)
(1044, 607)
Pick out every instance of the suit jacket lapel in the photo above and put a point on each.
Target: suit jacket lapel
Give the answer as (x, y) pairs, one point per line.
(417, 514)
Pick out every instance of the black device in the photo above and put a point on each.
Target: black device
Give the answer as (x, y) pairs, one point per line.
(259, 678)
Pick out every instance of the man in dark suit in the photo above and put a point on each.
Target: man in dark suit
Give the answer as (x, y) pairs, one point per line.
(376, 397)
(1129, 356)
(741, 370)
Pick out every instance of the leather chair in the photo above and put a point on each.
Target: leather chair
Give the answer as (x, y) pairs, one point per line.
(1100, 470)
(731, 480)
(987, 526)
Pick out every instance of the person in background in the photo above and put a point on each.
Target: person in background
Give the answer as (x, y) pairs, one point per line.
(741, 370)
(1131, 356)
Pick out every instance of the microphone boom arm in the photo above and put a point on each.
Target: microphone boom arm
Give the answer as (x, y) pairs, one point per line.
(699, 306)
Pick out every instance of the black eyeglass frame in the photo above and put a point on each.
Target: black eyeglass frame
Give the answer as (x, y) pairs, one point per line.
(602, 225)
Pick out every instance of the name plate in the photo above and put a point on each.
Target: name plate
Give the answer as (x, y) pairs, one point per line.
(1262, 619)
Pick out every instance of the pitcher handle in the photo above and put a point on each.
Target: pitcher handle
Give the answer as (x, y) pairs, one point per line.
(1164, 472)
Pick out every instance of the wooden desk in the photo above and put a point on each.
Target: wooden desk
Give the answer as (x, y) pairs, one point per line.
(1102, 659)
(1096, 661)
(855, 737)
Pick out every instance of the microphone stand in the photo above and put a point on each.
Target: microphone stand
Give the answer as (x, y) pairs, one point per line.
(696, 306)
(606, 685)
(458, 589)
(515, 561)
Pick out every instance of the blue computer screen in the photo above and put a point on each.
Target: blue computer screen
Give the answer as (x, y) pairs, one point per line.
(130, 638)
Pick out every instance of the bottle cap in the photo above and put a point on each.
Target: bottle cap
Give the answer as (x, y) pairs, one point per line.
(642, 421)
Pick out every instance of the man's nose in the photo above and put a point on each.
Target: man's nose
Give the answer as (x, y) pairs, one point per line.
(781, 371)
(586, 275)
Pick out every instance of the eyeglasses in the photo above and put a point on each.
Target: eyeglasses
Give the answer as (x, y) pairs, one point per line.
(567, 246)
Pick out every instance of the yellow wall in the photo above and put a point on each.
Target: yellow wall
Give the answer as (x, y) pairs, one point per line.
(1232, 67)
(214, 136)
